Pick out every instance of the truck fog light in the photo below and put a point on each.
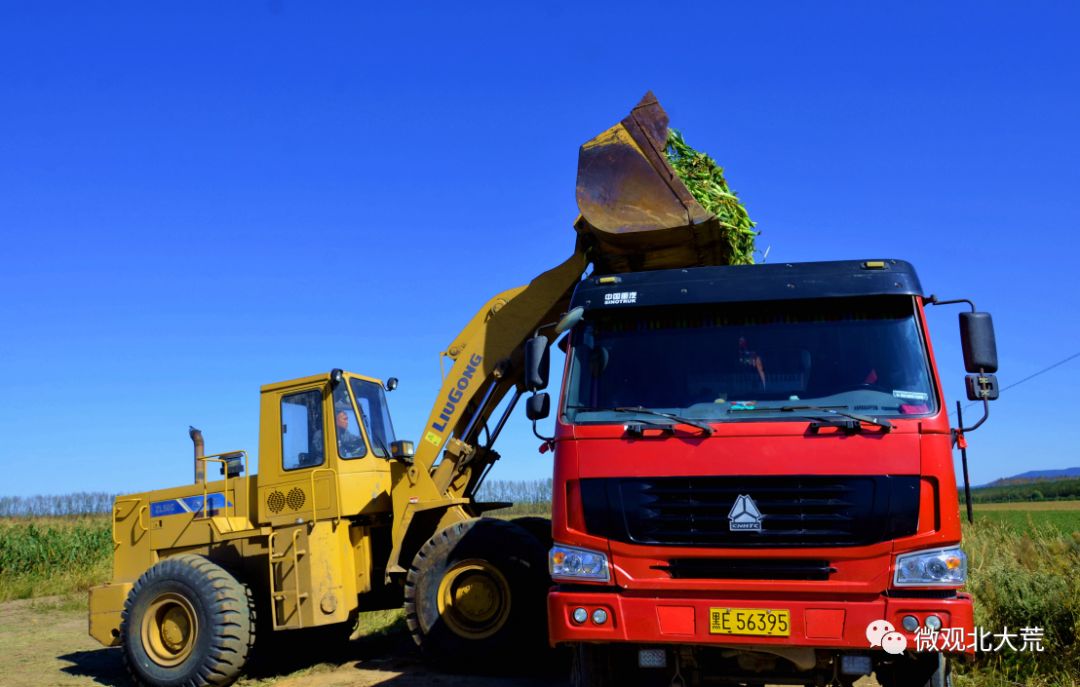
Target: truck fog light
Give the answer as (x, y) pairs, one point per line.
(652, 658)
(580, 615)
(599, 616)
(933, 622)
(855, 664)
(910, 623)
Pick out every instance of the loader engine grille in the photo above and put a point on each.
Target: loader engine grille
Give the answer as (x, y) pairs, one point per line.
(275, 501)
(796, 511)
(296, 498)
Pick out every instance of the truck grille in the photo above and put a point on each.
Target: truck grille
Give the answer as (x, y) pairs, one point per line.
(746, 569)
(797, 511)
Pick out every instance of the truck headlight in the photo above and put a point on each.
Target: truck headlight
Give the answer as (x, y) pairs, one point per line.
(931, 568)
(570, 563)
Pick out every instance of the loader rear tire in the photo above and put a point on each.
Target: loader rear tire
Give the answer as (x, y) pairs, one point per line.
(187, 623)
(476, 596)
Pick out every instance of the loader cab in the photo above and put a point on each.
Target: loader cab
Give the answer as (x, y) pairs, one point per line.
(323, 449)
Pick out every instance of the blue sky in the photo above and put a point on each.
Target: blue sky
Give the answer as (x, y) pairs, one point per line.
(199, 198)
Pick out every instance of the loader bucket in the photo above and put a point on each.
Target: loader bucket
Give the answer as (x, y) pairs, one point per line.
(635, 211)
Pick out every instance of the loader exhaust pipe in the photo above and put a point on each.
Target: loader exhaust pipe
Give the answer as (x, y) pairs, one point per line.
(200, 464)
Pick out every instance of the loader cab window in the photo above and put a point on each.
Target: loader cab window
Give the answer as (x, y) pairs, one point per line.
(371, 400)
(302, 430)
(349, 442)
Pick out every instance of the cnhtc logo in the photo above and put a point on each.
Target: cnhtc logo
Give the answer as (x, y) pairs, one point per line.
(744, 515)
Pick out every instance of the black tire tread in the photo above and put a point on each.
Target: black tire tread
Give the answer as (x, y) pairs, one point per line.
(442, 544)
(590, 666)
(231, 606)
(537, 526)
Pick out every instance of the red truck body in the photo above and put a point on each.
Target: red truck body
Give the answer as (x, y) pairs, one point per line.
(634, 494)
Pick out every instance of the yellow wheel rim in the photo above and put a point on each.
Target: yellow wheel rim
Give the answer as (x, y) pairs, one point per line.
(474, 599)
(169, 629)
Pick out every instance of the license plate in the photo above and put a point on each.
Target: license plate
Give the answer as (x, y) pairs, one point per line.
(758, 622)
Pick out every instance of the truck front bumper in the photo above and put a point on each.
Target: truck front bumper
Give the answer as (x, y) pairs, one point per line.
(659, 619)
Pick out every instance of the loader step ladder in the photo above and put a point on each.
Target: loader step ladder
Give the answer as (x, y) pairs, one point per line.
(280, 595)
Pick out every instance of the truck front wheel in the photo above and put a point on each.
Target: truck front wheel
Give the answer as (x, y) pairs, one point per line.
(475, 595)
(187, 622)
(590, 666)
(919, 670)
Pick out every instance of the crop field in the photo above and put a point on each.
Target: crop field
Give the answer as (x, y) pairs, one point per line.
(1024, 560)
(1037, 506)
(1063, 516)
(56, 555)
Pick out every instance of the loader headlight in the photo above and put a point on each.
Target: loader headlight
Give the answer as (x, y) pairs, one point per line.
(570, 563)
(931, 568)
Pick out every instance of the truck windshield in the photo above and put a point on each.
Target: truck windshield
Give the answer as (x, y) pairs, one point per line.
(371, 401)
(719, 361)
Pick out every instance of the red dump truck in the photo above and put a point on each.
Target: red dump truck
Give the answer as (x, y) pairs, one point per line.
(753, 475)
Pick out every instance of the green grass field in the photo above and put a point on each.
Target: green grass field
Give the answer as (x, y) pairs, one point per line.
(1062, 516)
(1023, 573)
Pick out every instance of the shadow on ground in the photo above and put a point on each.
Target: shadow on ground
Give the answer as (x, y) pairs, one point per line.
(103, 666)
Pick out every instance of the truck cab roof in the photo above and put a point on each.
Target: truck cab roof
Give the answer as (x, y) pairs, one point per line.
(742, 283)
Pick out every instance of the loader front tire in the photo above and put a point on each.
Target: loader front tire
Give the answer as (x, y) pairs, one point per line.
(538, 527)
(187, 623)
(476, 596)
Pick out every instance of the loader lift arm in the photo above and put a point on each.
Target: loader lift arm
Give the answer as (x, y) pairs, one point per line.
(486, 357)
(635, 215)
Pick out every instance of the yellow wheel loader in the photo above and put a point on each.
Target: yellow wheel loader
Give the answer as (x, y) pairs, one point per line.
(343, 517)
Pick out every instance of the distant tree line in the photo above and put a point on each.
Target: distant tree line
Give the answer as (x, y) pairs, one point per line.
(529, 491)
(59, 505)
(1048, 490)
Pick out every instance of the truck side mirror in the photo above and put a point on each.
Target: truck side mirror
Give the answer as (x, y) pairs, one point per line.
(537, 363)
(978, 342)
(982, 387)
(538, 406)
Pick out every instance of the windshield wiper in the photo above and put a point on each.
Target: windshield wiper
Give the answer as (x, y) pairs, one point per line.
(704, 426)
(637, 426)
(827, 410)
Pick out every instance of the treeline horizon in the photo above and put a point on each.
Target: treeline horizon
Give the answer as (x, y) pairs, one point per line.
(56, 505)
(1042, 490)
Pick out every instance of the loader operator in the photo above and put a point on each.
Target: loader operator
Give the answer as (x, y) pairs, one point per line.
(349, 444)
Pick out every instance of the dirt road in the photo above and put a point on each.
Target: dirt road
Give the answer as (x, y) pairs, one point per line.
(43, 642)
